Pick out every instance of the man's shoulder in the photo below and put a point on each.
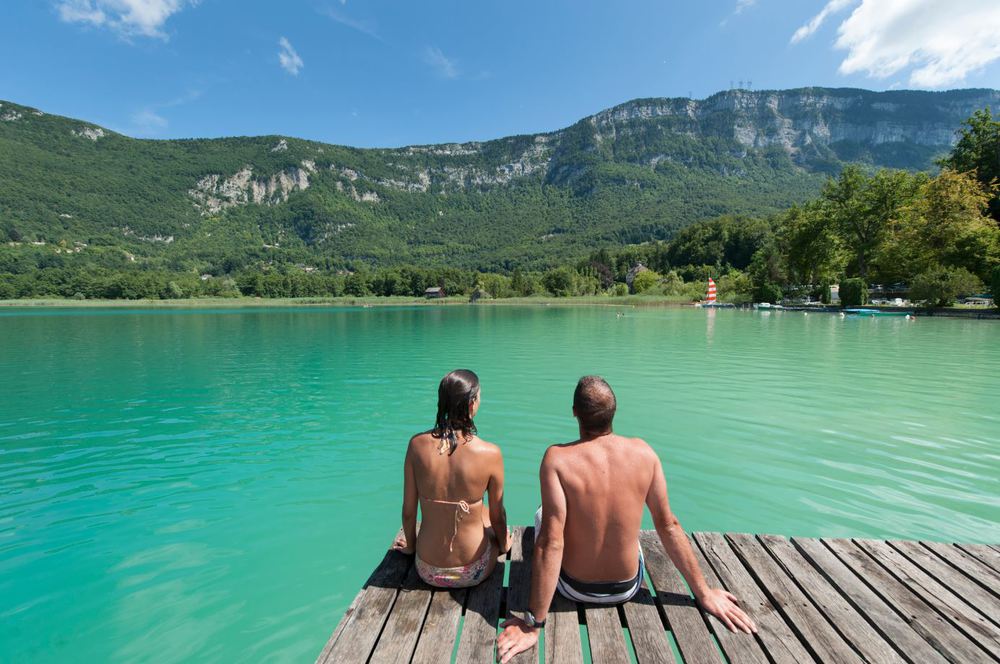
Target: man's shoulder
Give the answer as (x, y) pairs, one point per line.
(555, 454)
(636, 442)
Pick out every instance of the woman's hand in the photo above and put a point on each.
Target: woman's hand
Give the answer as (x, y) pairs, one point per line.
(508, 543)
(724, 606)
(401, 546)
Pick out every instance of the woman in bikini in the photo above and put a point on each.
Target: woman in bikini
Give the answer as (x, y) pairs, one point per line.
(447, 470)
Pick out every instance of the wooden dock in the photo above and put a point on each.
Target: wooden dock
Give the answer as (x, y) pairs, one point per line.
(824, 600)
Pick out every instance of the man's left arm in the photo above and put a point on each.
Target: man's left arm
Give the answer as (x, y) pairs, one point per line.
(720, 603)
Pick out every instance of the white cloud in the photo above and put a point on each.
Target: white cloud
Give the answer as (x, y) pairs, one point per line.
(813, 25)
(364, 27)
(741, 6)
(128, 18)
(148, 122)
(444, 66)
(289, 59)
(939, 43)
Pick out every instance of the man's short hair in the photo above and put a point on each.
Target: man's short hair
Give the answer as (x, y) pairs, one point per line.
(594, 404)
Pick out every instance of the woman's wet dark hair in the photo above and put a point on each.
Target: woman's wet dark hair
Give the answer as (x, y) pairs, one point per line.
(456, 393)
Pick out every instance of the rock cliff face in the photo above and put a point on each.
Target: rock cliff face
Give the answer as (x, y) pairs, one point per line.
(214, 193)
(793, 118)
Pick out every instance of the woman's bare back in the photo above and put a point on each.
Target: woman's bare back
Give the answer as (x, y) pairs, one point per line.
(449, 536)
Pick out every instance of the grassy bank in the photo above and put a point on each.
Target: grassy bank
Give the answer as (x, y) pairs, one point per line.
(254, 302)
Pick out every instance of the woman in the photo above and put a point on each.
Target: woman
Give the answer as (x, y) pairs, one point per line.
(447, 470)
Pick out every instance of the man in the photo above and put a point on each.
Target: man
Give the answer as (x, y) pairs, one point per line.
(587, 532)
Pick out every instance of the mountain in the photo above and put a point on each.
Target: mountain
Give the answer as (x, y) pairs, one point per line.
(635, 172)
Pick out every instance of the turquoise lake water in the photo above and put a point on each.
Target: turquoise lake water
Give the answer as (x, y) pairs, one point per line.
(181, 486)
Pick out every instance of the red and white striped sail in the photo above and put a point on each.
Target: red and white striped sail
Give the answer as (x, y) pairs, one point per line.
(711, 291)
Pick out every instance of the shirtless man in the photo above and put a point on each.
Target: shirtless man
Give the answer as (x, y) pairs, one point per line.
(587, 531)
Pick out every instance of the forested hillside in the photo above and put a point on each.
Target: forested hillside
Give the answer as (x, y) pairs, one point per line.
(637, 172)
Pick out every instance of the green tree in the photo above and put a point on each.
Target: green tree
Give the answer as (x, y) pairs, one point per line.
(815, 253)
(768, 292)
(767, 272)
(356, 284)
(496, 285)
(995, 286)
(978, 151)
(940, 286)
(560, 281)
(735, 287)
(645, 281)
(861, 209)
(853, 292)
(520, 284)
(947, 224)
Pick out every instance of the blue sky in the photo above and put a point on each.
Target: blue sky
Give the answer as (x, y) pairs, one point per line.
(381, 73)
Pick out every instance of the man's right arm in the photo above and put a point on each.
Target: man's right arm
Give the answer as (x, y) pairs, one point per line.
(548, 554)
(546, 563)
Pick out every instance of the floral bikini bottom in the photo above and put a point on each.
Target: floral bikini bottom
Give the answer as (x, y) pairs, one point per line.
(457, 577)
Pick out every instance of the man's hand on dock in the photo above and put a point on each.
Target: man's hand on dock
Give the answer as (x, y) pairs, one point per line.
(724, 606)
(515, 638)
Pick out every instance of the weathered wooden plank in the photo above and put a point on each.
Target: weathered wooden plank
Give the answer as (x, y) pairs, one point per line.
(970, 592)
(805, 618)
(477, 643)
(520, 584)
(344, 620)
(780, 642)
(362, 624)
(895, 629)
(969, 565)
(646, 629)
(690, 631)
(951, 643)
(845, 619)
(987, 554)
(967, 620)
(604, 631)
(402, 628)
(562, 633)
(437, 638)
(738, 647)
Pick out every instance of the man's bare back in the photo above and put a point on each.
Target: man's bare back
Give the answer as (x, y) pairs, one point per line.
(587, 539)
(606, 480)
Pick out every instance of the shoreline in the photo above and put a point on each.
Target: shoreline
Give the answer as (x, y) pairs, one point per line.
(362, 302)
(373, 302)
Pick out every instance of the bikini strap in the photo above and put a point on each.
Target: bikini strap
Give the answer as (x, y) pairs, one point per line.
(461, 509)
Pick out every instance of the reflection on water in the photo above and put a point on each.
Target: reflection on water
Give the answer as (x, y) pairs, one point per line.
(194, 485)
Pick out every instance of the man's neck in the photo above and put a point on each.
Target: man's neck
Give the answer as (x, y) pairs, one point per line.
(586, 436)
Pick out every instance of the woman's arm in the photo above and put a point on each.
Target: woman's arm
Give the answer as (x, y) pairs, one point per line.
(498, 515)
(409, 541)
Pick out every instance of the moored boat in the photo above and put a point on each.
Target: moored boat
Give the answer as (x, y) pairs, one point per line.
(876, 312)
